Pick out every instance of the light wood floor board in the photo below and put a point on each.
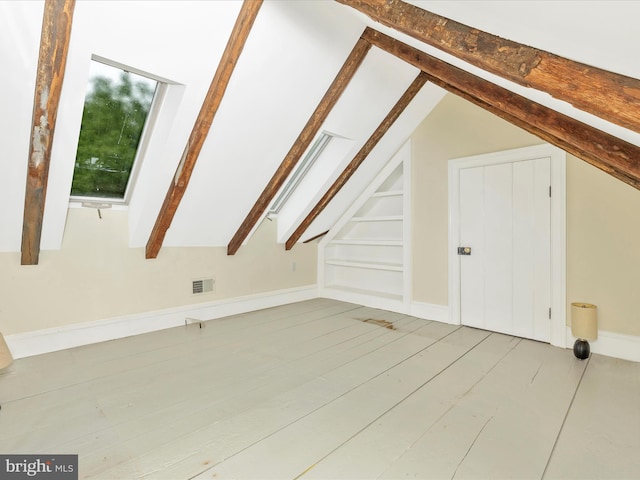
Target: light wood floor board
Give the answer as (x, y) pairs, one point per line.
(283, 403)
(325, 390)
(601, 436)
(372, 452)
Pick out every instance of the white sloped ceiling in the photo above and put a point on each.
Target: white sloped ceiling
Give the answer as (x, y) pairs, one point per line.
(291, 57)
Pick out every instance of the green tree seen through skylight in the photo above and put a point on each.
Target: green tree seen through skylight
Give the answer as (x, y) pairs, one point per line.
(115, 111)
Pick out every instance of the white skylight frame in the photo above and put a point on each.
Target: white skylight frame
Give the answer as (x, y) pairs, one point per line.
(300, 171)
(152, 117)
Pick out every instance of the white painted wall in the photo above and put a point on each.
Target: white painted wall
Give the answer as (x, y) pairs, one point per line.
(419, 108)
(599, 33)
(289, 61)
(291, 57)
(392, 77)
(20, 24)
(584, 31)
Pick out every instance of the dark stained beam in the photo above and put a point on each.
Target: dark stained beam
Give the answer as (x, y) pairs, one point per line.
(315, 237)
(606, 152)
(52, 59)
(608, 95)
(362, 154)
(212, 101)
(346, 73)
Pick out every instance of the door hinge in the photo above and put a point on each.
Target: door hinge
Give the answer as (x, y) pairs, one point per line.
(549, 190)
(549, 313)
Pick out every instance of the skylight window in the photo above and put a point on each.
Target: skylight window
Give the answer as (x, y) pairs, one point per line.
(305, 165)
(116, 107)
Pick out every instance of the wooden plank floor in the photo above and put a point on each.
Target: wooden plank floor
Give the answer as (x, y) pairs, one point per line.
(325, 389)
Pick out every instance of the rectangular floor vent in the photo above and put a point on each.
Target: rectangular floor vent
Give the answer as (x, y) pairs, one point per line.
(204, 285)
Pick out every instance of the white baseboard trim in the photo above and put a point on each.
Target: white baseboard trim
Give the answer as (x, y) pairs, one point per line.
(430, 311)
(69, 336)
(427, 311)
(363, 299)
(617, 345)
(27, 344)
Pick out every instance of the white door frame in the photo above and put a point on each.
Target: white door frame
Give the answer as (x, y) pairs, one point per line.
(558, 335)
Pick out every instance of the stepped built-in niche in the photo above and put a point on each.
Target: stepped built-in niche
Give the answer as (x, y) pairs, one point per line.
(365, 255)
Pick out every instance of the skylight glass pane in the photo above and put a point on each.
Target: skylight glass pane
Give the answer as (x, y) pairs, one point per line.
(301, 170)
(116, 107)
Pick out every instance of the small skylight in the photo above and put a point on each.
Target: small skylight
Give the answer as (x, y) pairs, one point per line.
(296, 177)
(116, 108)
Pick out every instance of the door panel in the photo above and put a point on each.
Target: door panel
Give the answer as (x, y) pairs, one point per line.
(505, 219)
(498, 260)
(472, 234)
(524, 228)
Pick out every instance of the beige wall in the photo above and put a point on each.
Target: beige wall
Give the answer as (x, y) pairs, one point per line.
(603, 224)
(603, 259)
(96, 276)
(454, 129)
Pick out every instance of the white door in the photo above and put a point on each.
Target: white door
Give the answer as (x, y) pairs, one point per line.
(505, 220)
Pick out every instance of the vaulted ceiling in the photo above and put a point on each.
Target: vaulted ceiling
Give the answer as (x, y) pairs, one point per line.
(272, 89)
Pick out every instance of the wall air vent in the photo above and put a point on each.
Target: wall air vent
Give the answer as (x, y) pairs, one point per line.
(205, 285)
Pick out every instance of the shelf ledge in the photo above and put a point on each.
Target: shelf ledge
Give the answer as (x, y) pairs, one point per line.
(391, 267)
(388, 193)
(386, 218)
(366, 242)
(360, 291)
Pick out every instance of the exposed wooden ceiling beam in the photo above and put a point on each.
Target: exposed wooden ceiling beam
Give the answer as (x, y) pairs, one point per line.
(362, 154)
(608, 153)
(315, 237)
(346, 73)
(212, 101)
(52, 59)
(608, 95)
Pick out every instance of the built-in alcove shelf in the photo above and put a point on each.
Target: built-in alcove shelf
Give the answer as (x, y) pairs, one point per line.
(392, 193)
(387, 218)
(340, 292)
(392, 267)
(365, 256)
(387, 243)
